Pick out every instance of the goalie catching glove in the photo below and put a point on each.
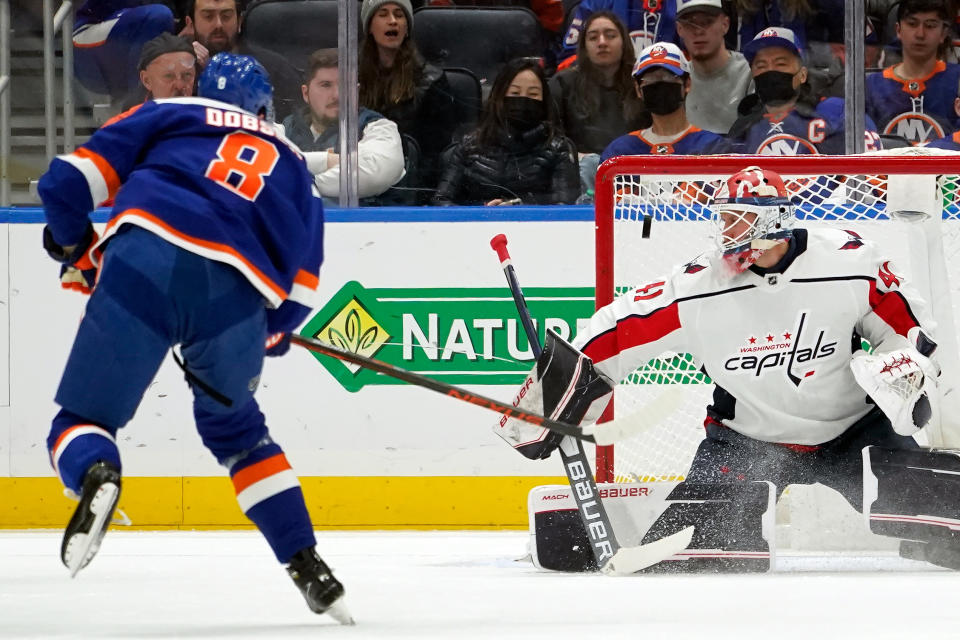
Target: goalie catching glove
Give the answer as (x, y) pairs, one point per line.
(903, 383)
(563, 386)
(79, 264)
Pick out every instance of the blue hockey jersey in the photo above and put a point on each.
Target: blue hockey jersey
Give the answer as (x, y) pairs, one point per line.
(693, 141)
(210, 178)
(919, 110)
(647, 21)
(800, 133)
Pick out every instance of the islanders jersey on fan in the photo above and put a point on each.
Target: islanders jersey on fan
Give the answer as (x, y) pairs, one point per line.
(692, 141)
(950, 143)
(205, 176)
(647, 21)
(918, 110)
(799, 133)
(777, 345)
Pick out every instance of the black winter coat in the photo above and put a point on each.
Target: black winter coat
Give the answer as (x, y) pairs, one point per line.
(531, 166)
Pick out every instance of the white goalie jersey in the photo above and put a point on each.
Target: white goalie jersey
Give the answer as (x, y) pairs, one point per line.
(778, 345)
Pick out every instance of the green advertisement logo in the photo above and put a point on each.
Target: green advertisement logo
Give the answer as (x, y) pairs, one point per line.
(457, 335)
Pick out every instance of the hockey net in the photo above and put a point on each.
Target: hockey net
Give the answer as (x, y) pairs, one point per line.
(907, 203)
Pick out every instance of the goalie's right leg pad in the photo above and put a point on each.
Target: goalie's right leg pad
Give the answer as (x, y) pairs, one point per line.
(915, 495)
(734, 527)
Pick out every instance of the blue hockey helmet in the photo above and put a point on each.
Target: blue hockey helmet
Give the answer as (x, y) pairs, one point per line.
(240, 81)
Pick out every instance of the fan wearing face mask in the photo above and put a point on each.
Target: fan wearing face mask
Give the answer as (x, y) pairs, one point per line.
(784, 117)
(662, 79)
(517, 155)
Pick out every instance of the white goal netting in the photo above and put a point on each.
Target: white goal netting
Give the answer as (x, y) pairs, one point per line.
(908, 203)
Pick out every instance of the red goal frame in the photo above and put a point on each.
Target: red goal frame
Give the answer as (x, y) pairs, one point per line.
(723, 165)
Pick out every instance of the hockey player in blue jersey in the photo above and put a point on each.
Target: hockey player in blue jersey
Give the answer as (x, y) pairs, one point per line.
(784, 117)
(662, 77)
(214, 244)
(914, 99)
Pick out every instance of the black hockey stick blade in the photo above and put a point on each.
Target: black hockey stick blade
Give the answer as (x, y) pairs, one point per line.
(317, 346)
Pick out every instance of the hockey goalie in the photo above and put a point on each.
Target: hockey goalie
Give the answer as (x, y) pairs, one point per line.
(812, 405)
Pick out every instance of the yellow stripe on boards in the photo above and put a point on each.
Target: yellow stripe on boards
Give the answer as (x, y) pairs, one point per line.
(379, 502)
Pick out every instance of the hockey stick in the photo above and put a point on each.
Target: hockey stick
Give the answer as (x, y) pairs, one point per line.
(610, 556)
(601, 434)
(316, 346)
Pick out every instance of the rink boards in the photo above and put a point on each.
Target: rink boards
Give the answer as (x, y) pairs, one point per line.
(369, 453)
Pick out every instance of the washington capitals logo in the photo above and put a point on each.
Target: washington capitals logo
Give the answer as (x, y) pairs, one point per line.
(782, 350)
(853, 242)
(693, 267)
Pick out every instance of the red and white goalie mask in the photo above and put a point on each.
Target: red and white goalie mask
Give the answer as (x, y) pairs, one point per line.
(753, 213)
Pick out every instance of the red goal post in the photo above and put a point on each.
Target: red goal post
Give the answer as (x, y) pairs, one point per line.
(907, 201)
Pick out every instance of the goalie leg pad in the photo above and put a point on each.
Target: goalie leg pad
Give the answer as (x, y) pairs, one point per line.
(734, 525)
(915, 495)
(564, 386)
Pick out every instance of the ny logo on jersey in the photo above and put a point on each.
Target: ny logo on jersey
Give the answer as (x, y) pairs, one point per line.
(915, 127)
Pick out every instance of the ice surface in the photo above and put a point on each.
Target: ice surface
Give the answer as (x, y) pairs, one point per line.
(449, 585)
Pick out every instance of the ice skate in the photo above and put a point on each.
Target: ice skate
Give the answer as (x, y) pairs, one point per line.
(98, 498)
(323, 592)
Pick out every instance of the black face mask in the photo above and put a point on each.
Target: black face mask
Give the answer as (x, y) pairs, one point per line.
(662, 98)
(523, 114)
(775, 87)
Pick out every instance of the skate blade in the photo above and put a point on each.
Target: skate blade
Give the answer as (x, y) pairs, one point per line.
(338, 611)
(82, 547)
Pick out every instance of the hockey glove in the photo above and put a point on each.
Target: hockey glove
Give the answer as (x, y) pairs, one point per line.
(563, 386)
(277, 344)
(77, 270)
(903, 383)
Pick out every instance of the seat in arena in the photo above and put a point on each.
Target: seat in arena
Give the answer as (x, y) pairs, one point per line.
(480, 39)
(292, 28)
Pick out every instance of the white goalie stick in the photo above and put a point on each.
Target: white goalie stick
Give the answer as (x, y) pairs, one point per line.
(611, 558)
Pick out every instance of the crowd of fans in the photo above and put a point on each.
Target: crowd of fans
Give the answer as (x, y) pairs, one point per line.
(618, 77)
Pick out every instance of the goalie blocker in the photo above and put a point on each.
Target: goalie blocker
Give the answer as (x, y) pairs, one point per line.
(564, 386)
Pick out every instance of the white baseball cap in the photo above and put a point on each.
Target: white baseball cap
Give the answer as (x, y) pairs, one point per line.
(697, 5)
(664, 55)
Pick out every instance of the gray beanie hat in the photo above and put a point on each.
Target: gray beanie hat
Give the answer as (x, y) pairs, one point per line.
(370, 7)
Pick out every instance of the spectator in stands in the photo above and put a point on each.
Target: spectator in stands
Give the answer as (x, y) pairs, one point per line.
(914, 99)
(784, 117)
(720, 78)
(755, 16)
(316, 130)
(214, 26)
(647, 21)
(107, 38)
(662, 76)
(595, 100)
(517, 154)
(395, 81)
(168, 67)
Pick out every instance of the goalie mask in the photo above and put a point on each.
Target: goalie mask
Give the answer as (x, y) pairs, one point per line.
(753, 213)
